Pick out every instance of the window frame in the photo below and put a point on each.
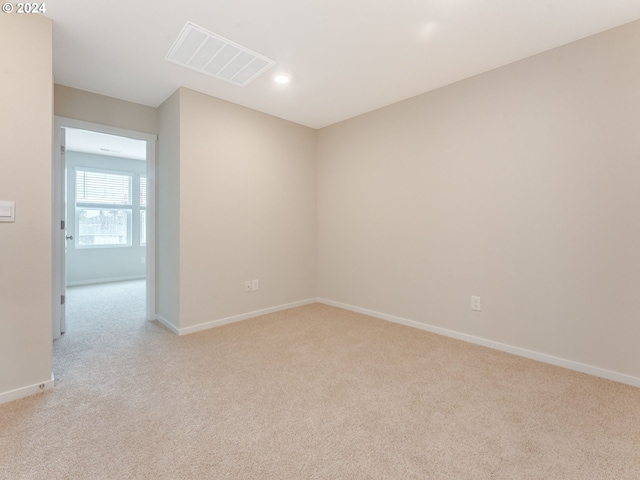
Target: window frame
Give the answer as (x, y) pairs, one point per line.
(142, 209)
(126, 207)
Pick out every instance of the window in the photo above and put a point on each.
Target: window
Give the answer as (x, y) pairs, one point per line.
(103, 208)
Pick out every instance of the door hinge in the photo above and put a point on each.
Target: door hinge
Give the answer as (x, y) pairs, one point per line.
(62, 149)
(62, 299)
(61, 224)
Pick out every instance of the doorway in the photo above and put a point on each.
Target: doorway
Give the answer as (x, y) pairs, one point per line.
(104, 210)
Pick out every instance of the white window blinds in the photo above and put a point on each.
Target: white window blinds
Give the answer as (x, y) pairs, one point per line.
(103, 188)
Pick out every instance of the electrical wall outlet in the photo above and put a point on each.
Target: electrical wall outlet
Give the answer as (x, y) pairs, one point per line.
(254, 285)
(247, 286)
(475, 303)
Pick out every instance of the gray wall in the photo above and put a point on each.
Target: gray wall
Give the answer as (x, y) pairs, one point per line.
(519, 185)
(102, 264)
(168, 212)
(91, 107)
(253, 177)
(246, 184)
(26, 124)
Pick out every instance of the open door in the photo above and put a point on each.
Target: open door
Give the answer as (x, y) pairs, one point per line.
(59, 233)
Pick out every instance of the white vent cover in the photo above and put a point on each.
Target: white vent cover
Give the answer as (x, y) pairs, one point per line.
(208, 53)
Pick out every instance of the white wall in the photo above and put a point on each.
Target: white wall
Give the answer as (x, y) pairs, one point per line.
(25, 257)
(520, 185)
(103, 264)
(247, 210)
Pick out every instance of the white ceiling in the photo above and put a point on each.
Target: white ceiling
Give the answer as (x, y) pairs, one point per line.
(345, 57)
(104, 144)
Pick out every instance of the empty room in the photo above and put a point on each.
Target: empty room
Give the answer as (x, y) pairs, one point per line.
(357, 240)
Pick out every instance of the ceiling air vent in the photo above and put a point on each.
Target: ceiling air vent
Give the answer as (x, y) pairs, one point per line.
(206, 52)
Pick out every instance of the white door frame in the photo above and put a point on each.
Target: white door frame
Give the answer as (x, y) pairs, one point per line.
(59, 201)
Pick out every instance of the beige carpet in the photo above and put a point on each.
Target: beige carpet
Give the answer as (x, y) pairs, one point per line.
(310, 393)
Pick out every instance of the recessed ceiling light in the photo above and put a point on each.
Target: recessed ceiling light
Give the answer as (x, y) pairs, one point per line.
(281, 78)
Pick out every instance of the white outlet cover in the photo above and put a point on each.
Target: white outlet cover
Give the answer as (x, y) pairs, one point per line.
(475, 303)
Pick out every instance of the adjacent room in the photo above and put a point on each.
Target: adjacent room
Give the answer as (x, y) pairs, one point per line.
(105, 193)
(390, 240)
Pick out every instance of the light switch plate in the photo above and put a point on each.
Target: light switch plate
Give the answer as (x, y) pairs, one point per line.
(7, 211)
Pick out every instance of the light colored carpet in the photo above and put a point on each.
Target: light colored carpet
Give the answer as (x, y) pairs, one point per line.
(309, 393)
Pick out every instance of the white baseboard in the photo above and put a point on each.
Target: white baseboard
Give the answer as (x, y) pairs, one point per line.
(522, 352)
(238, 318)
(98, 281)
(27, 391)
(168, 324)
